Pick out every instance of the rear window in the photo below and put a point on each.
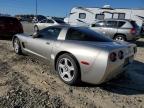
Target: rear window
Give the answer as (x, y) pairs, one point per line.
(121, 23)
(133, 23)
(60, 21)
(50, 21)
(84, 34)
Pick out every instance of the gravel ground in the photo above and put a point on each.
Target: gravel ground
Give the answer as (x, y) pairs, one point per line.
(26, 82)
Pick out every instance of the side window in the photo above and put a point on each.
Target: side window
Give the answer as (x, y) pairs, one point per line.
(111, 24)
(49, 21)
(121, 16)
(43, 21)
(82, 15)
(99, 24)
(115, 16)
(121, 23)
(73, 35)
(50, 33)
(99, 16)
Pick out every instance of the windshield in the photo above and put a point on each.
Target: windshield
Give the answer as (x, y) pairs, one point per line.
(85, 34)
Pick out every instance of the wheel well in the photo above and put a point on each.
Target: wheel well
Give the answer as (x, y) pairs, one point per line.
(120, 34)
(13, 39)
(35, 26)
(65, 52)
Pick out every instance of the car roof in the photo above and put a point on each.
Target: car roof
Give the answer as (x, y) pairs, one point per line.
(67, 26)
(61, 26)
(117, 20)
(7, 17)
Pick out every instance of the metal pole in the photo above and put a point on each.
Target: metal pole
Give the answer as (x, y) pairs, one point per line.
(36, 9)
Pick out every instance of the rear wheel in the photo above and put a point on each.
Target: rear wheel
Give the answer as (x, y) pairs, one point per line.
(17, 47)
(67, 69)
(120, 38)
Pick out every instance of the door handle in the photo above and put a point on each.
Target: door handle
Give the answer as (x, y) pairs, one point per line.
(47, 43)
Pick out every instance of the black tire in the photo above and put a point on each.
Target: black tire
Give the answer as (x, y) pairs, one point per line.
(36, 28)
(120, 38)
(76, 75)
(17, 48)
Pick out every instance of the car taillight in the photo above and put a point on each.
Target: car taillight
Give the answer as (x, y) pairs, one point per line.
(113, 56)
(120, 54)
(133, 31)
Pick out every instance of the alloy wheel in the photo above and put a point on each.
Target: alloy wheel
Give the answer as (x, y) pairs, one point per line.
(16, 45)
(66, 69)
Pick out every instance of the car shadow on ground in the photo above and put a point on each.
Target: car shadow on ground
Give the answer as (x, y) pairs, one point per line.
(129, 83)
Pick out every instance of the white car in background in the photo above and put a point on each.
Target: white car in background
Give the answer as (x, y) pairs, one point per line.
(48, 22)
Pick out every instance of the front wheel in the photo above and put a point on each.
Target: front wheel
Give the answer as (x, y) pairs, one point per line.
(17, 47)
(67, 69)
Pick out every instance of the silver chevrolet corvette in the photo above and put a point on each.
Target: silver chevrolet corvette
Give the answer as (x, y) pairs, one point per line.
(77, 54)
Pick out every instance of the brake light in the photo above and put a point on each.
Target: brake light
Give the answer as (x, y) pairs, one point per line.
(120, 54)
(113, 56)
(133, 31)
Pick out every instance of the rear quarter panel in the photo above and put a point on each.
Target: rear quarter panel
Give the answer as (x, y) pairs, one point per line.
(80, 52)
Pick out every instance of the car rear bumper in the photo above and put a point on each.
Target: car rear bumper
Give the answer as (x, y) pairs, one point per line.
(103, 69)
(109, 74)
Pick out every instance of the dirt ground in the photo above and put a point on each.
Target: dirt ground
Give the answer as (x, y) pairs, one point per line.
(28, 83)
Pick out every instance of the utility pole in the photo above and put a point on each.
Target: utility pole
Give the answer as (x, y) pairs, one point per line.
(36, 10)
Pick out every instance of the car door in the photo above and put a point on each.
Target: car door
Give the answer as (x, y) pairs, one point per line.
(42, 24)
(42, 45)
(111, 28)
(98, 27)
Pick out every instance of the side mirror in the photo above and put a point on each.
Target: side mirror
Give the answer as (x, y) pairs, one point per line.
(35, 35)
